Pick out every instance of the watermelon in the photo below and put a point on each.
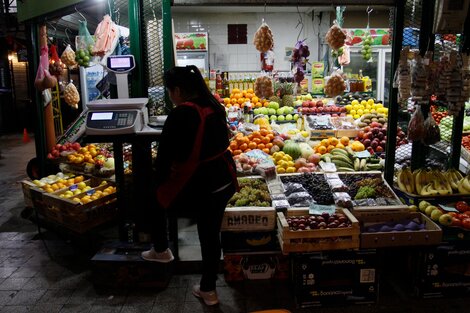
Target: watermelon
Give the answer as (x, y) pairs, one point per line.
(292, 148)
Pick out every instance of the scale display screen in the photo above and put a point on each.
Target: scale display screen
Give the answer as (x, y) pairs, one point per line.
(120, 63)
(102, 116)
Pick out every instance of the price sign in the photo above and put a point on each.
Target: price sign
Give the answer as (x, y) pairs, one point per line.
(363, 154)
(318, 209)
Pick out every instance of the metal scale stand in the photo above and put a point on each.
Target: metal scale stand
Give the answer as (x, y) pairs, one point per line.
(125, 120)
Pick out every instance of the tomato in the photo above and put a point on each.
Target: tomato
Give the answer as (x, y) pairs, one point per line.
(456, 222)
(453, 214)
(466, 223)
(466, 213)
(462, 206)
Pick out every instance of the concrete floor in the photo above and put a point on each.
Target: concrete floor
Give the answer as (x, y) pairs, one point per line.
(50, 273)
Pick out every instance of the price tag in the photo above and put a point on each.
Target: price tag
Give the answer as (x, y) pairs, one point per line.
(346, 125)
(448, 208)
(90, 192)
(73, 187)
(363, 154)
(318, 209)
(327, 166)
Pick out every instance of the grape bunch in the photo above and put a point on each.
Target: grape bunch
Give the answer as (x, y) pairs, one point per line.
(366, 50)
(299, 59)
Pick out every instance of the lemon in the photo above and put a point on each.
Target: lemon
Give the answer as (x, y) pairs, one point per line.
(385, 110)
(352, 112)
(356, 107)
(348, 107)
(360, 112)
(290, 169)
(363, 102)
(379, 105)
(380, 110)
(287, 157)
(370, 102)
(356, 116)
(76, 192)
(366, 111)
(290, 164)
(280, 170)
(373, 111)
(76, 199)
(354, 102)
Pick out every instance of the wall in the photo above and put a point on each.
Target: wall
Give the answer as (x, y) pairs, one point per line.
(245, 57)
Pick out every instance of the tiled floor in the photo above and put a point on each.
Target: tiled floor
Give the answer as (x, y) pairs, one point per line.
(53, 274)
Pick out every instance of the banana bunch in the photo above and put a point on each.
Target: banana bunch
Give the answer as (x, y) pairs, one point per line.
(464, 185)
(406, 180)
(432, 182)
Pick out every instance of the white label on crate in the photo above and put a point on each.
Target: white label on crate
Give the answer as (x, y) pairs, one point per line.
(367, 275)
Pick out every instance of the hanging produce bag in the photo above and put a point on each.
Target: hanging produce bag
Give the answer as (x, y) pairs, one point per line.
(335, 37)
(84, 43)
(55, 65)
(416, 125)
(432, 133)
(44, 79)
(335, 84)
(263, 38)
(264, 87)
(107, 38)
(68, 57)
(71, 95)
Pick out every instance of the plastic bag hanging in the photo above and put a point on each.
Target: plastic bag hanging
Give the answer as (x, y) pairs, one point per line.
(263, 38)
(44, 79)
(335, 84)
(107, 38)
(84, 43)
(366, 49)
(416, 125)
(68, 57)
(71, 95)
(55, 64)
(432, 133)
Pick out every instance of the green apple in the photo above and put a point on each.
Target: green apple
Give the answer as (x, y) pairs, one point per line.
(445, 219)
(281, 118)
(429, 210)
(413, 208)
(280, 111)
(273, 118)
(423, 205)
(296, 117)
(289, 117)
(298, 103)
(271, 111)
(264, 111)
(257, 111)
(273, 105)
(436, 214)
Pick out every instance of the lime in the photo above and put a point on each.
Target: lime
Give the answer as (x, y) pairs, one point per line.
(86, 58)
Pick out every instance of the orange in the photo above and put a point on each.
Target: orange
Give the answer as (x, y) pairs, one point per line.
(237, 152)
(330, 147)
(249, 95)
(243, 147)
(266, 150)
(258, 104)
(237, 95)
(269, 145)
(233, 100)
(322, 149)
(249, 90)
(333, 141)
(344, 140)
(226, 100)
(340, 145)
(324, 142)
(256, 140)
(263, 132)
(241, 100)
(252, 145)
(256, 134)
(255, 99)
(270, 136)
(229, 105)
(261, 146)
(247, 150)
(235, 90)
(265, 140)
(265, 104)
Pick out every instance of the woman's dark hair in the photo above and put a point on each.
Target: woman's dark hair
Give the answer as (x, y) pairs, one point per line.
(192, 86)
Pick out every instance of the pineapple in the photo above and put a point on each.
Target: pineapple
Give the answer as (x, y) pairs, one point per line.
(288, 100)
(275, 99)
(288, 94)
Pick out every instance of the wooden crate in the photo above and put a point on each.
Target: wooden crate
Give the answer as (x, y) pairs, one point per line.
(249, 219)
(33, 196)
(430, 235)
(316, 239)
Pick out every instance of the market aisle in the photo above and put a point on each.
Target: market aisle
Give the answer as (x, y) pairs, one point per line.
(53, 275)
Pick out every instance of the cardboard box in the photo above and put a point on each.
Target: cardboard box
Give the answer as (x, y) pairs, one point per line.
(318, 86)
(443, 271)
(335, 278)
(238, 242)
(317, 69)
(253, 266)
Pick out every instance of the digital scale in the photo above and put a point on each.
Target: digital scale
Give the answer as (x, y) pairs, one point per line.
(122, 116)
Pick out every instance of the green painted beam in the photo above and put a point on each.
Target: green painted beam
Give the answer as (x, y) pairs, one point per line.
(168, 55)
(31, 9)
(135, 28)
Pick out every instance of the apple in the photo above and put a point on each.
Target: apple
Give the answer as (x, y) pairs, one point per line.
(456, 222)
(423, 205)
(436, 215)
(414, 208)
(289, 117)
(466, 223)
(430, 209)
(296, 117)
(445, 219)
